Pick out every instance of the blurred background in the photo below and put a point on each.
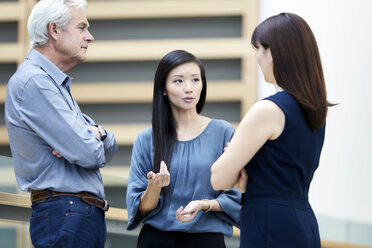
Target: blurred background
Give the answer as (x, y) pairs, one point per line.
(114, 87)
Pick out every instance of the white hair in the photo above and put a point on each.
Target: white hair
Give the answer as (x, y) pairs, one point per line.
(46, 11)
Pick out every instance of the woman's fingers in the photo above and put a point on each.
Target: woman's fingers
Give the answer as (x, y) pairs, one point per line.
(162, 178)
(164, 174)
(178, 213)
(163, 168)
(227, 145)
(150, 175)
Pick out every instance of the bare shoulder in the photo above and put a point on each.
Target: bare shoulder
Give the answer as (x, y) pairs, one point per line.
(267, 116)
(267, 110)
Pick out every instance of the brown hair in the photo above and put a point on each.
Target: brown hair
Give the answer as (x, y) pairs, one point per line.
(296, 61)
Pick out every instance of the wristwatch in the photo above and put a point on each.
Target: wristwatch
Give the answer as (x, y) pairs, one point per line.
(102, 132)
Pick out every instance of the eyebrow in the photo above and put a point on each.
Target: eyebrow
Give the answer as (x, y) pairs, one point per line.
(84, 24)
(196, 74)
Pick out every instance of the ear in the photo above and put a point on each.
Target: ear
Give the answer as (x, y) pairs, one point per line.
(269, 54)
(53, 30)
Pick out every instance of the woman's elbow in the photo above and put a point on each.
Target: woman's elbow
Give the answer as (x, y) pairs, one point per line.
(218, 184)
(214, 182)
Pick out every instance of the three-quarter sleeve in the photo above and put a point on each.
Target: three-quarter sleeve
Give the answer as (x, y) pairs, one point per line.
(141, 164)
(229, 200)
(230, 203)
(189, 180)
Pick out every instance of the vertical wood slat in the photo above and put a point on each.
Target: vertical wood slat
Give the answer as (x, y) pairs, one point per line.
(249, 65)
(22, 28)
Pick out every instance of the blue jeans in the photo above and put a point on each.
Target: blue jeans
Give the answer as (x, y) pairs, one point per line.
(67, 221)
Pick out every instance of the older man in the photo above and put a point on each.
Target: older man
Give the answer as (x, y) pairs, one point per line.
(57, 150)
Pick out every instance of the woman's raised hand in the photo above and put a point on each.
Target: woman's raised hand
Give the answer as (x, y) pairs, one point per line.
(160, 179)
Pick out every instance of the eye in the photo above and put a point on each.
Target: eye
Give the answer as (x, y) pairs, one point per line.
(82, 26)
(196, 80)
(177, 81)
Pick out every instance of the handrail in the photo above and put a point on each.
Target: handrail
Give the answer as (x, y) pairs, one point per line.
(17, 208)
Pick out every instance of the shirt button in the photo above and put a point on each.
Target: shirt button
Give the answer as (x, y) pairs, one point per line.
(71, 202)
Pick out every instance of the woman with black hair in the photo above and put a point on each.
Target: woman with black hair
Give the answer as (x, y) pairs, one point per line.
(170, 167)
(279, 141)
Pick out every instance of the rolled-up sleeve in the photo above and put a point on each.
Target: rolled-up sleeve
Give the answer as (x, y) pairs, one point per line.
(61, 127)
(109, 143)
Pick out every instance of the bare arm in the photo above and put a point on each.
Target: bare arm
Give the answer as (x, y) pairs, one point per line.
(264, 121)
(242, 180)
(156, 181)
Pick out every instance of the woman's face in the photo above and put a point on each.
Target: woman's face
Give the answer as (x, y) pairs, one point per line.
(265, 61)
(183, 86)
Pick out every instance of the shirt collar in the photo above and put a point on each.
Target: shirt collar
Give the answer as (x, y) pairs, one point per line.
(53, 71)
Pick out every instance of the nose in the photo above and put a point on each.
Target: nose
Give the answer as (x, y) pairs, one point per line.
(89, 37)
(188, 86)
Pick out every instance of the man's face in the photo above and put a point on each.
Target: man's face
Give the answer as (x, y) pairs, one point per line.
(73, 41)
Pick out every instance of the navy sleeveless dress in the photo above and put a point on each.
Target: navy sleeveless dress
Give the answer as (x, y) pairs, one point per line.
(276, 212)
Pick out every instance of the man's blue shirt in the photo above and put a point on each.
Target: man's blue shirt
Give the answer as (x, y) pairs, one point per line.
(40, 116)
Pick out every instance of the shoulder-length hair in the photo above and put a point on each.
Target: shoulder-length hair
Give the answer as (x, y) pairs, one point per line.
(296, 61)
(163, 127)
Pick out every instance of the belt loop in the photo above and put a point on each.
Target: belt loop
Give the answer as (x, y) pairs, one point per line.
(95, 201)
(49, 193)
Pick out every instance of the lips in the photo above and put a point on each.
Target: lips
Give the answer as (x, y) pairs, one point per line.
(188, 99)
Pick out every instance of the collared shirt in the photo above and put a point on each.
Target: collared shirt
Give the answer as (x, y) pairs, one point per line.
(190, 173)
(40, 116)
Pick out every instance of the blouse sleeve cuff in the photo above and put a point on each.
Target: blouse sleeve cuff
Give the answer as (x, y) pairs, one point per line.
(230, 203)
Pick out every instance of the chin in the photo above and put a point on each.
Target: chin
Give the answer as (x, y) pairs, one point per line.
(82, 58)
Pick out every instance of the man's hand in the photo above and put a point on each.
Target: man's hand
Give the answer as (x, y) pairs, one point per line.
(95, 131)
(55, 153)
(160, 179)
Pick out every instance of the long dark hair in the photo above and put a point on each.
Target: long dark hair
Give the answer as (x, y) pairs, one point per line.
(163, 127)
(296, 60)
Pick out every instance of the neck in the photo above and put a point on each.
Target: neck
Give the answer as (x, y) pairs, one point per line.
(51, 54)
(277, 87)
(189, 125)
(186, 119)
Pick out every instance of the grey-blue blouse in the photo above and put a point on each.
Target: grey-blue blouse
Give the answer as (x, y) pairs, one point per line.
(190, 174)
